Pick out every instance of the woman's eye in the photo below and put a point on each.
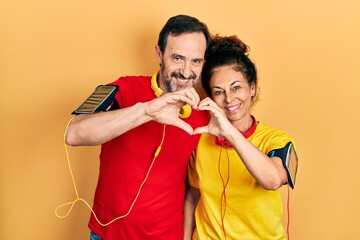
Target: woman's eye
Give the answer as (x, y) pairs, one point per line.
(236, 88)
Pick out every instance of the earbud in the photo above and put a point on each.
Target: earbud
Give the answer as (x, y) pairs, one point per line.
(185, 110)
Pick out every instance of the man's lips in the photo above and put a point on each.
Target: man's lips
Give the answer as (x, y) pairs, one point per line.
(182, 81)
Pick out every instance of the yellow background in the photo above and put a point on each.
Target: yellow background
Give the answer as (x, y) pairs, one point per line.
(54, 53)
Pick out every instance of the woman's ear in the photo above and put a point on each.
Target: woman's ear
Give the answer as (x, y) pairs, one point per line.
(253, 90)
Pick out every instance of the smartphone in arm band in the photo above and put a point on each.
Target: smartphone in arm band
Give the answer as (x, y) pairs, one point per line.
(289, 159)
(100, 100)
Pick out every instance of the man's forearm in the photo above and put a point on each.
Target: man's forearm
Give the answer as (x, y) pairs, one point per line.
(97, 128)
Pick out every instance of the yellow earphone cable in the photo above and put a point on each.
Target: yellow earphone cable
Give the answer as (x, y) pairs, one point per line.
(72, 203)
(223, 194)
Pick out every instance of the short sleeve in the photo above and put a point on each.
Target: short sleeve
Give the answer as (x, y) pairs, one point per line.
(192, 173)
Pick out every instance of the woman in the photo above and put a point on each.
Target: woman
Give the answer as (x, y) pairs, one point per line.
(232, 179)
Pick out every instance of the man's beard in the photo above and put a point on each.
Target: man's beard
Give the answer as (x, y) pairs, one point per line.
(172, 85)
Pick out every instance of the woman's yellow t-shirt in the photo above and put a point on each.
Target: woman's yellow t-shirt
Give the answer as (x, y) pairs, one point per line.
(244, 210)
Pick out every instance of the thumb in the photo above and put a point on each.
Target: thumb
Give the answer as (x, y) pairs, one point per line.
(184, 126)
(200, 130)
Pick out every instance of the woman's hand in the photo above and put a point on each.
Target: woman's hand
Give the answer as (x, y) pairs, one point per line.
(219, 125)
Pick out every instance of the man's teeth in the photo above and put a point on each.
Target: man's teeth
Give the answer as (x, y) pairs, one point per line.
(183, 80)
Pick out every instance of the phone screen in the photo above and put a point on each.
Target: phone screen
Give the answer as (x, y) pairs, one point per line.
(99, 100)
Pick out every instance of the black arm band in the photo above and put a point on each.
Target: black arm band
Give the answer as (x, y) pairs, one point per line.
(102, 99)
(289, 159)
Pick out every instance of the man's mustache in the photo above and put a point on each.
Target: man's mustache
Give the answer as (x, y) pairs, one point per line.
(180, 76)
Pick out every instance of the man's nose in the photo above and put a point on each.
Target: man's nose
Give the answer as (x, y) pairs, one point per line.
(186, 69)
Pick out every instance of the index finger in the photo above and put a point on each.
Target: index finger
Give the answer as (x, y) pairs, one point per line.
(193, 97)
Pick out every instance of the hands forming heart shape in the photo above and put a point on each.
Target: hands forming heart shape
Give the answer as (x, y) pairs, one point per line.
(165, 110)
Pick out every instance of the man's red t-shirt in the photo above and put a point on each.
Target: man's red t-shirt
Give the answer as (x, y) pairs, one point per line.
(124, 161)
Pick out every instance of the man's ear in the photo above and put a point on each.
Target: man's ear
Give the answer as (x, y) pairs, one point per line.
(158, 54)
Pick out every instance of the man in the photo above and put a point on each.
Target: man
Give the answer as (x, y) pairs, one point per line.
(145, 144)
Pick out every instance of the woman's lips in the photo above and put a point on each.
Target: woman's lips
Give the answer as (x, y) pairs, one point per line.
(233, 108)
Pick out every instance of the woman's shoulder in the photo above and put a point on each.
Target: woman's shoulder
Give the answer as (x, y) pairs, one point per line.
(268, 131)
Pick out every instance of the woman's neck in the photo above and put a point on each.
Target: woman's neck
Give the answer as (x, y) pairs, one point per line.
(246, 125)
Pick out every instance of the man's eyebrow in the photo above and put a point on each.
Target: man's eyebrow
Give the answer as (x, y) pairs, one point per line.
(183, 57)
(177, 55)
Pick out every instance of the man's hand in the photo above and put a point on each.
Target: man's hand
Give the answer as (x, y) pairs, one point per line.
(165, 109)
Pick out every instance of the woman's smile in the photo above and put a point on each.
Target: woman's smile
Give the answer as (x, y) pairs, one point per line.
(233, 109)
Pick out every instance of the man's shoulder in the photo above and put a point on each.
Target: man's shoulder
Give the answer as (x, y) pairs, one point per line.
(131, 79)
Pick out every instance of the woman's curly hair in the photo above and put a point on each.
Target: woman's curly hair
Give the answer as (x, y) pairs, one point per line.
(227, 51)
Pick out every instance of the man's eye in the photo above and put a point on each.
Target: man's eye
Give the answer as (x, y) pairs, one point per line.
(177, 59)
(197, 61)
(216, 93)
